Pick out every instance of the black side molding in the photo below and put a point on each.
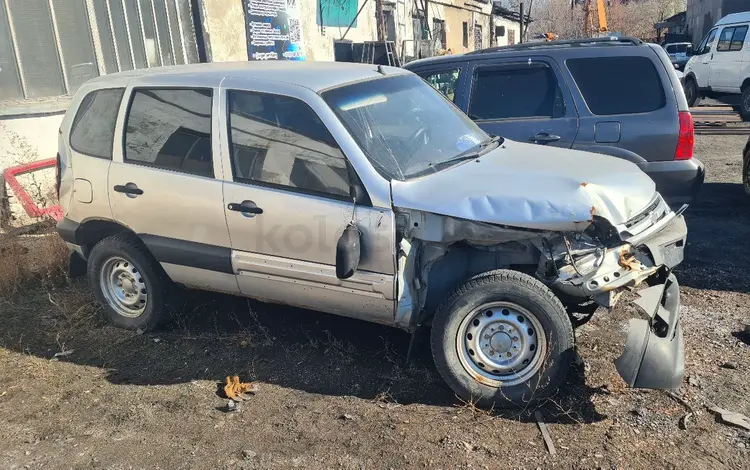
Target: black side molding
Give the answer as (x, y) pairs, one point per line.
(186, 253)
(67, 230)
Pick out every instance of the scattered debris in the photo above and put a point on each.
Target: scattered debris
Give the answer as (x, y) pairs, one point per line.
(347, 417)
(641, 411)
(157, 340)
(248, 454)
(467, 447)
(545, 433)
(730, 365)
(693, 380)
(236, 390)
(65, 353)
(731, 417)
(139, 331)
(232, 406)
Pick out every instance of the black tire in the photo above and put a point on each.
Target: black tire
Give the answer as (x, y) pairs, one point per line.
(526, 292)
(691, 92)
(145, 267)
(745, 104)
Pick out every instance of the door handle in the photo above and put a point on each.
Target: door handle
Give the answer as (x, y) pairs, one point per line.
(130, 189)
(544, 138)
(246, 207)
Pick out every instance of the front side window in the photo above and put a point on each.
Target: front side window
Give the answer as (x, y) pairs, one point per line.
(705, 45)
(280, 141)
(170, 129)
(93, 129)
(618, 85)
(444, 81)
(515, 91)
(404, 126)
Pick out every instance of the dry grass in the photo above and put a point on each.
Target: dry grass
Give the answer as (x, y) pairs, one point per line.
(27, 260)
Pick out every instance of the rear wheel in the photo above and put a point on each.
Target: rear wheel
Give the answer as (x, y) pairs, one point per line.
(128, 282)
(502, 339)
(691, 92)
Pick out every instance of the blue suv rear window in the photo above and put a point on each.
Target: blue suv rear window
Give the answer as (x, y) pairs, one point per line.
(618, 85)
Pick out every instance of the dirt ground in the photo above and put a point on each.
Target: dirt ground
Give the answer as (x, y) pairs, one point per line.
(338, 393)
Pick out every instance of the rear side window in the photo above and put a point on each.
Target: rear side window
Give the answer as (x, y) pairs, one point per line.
(618, 85)
(515, 91)
(170, 129)
(93, 129)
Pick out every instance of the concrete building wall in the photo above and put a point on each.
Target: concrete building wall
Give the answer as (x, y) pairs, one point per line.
(512, 31)
(702, 15)
(224, 30)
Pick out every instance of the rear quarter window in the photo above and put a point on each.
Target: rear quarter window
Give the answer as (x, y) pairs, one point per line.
(618, 85)
(93, 129)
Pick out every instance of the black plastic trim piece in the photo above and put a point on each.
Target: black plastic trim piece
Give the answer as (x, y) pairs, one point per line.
(67, 230)
(187, 253)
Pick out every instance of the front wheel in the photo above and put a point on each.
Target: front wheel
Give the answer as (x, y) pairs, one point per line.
(502, 339)
(745, 104)
(691, 92)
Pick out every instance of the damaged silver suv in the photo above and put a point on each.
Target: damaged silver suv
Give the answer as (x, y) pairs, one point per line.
(363, 192)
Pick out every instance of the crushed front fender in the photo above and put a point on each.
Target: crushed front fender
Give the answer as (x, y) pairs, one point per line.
(654, 355)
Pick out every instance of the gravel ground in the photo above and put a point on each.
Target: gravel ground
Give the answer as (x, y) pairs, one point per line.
(337, 393)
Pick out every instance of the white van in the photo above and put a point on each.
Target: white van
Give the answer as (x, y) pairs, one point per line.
(721, 63)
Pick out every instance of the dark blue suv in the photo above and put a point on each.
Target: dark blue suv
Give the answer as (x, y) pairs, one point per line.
(616, 96)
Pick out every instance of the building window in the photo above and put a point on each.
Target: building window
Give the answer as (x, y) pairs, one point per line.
(466, 34)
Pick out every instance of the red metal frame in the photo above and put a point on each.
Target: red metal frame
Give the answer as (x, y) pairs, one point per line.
(28, 204)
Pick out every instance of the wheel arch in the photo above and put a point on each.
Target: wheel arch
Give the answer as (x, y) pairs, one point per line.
(745, 84)
(92, 231)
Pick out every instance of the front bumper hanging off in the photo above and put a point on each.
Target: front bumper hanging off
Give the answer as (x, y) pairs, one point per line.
(654, 355)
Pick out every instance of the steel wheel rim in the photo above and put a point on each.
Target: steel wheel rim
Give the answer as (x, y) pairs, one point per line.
(123, 287)
(501, 344)
(746, 103)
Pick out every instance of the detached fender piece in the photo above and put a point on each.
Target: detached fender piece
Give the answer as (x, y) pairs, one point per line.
(654, 355)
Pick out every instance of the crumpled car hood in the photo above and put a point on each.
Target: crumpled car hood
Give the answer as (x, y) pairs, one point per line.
(531, 186)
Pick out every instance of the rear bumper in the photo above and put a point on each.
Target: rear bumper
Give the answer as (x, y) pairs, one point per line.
(654, 355)
(678, 181)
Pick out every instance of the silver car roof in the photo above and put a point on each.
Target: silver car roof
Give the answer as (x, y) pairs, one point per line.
(316, 76)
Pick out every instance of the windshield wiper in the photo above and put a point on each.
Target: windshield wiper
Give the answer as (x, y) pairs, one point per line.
(474, 152)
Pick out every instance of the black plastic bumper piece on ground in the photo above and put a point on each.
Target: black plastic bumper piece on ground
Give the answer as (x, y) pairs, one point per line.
(654, 355)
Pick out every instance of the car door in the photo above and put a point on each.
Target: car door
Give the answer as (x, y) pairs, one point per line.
(701, 63)
(727, 60)
(289, 193)
(522, 99)
(165, 181)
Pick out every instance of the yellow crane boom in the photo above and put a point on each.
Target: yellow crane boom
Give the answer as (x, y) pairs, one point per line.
(602, 16)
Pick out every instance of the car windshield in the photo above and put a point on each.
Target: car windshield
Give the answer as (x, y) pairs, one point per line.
(405, 127)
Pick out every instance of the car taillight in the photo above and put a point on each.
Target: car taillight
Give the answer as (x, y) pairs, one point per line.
(58, 175)
(686, 139)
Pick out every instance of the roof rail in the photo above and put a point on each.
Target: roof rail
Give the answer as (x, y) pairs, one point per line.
(583, 42)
